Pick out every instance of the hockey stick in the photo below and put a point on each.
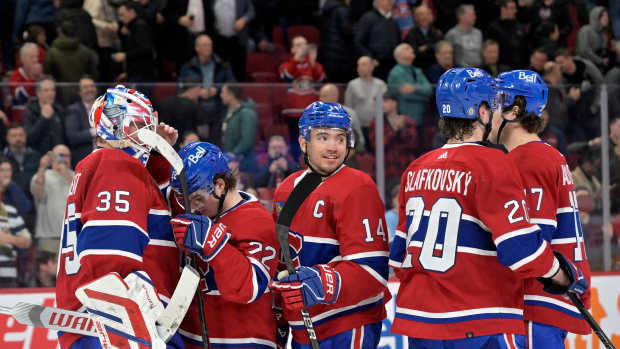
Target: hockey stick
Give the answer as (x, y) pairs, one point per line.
(153, 139)
(82, 323)
(588, 317)
(292, 204)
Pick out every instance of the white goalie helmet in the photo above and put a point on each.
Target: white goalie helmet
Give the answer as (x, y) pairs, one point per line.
(118, 115)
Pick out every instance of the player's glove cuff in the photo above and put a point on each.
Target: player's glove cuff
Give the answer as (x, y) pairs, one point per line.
(309, 286)
(200, 235)
(578, 284)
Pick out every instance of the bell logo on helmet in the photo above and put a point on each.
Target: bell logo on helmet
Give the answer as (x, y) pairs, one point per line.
(527, 77)
(200, 152)
(474, 73)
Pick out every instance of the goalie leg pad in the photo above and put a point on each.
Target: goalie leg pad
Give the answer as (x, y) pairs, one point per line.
(124, 310)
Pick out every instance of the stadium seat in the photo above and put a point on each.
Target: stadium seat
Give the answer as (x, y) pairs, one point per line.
(278, 35)
(258, 92)
(163, 90)
(263, 63)
(311, 33)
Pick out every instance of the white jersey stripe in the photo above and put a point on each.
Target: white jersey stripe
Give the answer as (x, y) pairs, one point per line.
(515, 233)
(242, 341)
(165, 243)
(318, 240)
(95, 252)
(460, 313)
(110, 223)
(566, 241)
(335, 311)
(374, 274)
(553, 301)
(400, 234)
(564, 210)
(475, 220)
(365, 255)
(159, 212)
(544, 221)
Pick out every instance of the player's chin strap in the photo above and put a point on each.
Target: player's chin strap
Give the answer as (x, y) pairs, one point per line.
(330, 173)
(504, 123)
(220, 205)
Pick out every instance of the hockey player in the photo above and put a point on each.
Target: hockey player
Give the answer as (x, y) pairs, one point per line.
(550, 196)
(463, 241)
(338, 240)
(116, 218)
(235, 238)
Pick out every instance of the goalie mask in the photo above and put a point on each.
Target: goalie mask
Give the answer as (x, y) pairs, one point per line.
(118, 115)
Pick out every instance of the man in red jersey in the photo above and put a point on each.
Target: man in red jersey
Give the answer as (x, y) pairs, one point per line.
(116, 219)
(463, 243)
(235, 238)
(337, 238)
(551, 200)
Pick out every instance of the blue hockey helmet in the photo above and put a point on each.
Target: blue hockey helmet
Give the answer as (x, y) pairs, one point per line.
(524, 83)
(202, 161)
(323, 114)
(460, 91)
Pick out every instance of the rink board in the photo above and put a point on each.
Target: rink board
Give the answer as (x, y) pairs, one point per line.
(605, 309)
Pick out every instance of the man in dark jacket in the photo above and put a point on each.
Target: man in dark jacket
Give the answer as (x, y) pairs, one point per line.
(182, 110)
(336, 45)
(80, 136)
(510, 36)
(138, 48)
(377, 36)
(209, 69)
(278, 166)
(24, 160)
(423, 37)
(43, 117)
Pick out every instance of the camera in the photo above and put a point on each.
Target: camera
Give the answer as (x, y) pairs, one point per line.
(58, 157)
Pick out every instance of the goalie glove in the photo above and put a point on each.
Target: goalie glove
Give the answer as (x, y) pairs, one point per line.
(198, 234)
(124, 310)
(578, 284)
(309, 286)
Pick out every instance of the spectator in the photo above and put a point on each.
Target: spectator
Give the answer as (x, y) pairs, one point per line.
(411, 86)
(400, 139)
(423, 37)
(444, 61)
(551, 134)
(391, 215)
(211, 71)
(279, 165)
(582, 80)
(68, 60)
(614, 163)
(187, 137)
(377, 35)
(329, 93)
(10, 192)
(106, 27)
(490, 55)
(227, 23)
(465, 39)
(261, 27)
(239, 127)
(558, 102)
(614, 15)
(401, 11)
(24, 160)
(39, 12)
(592, 41)
(43, 117)
(538, 59)
(138, 47)
(73, 11)
(13, 235)
(364, 93)
(35, 34)
(183, 111)
(80, 136)
(47, 264)
(21, 80)
(510, 35)
(50, 187)
(300, 65)
(586, 172)
(336, 49)
(546, 38)
(183, 22)
(556, 11)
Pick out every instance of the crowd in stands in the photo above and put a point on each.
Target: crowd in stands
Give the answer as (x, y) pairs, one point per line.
(197, 60)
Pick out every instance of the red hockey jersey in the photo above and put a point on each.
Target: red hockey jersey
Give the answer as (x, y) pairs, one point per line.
(116, 220)
(552, 205)
(463, 245)
(237, 299)
(341, 223)
(22, 87)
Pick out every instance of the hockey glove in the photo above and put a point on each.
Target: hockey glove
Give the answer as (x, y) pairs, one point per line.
(309, 286)
(578, 284)
(198, 234)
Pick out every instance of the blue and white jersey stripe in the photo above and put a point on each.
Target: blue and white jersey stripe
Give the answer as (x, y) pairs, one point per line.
(459, 316)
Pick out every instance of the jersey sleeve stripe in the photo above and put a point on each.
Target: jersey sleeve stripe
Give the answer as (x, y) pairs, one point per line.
(553, 270)
(551, 222)
(529, 258)
(566, 241)
(338, 312)
(159, 227)
(260, 279)
(93, 252)
(111, 223)
(164, 243)
(113, 238)
(318, 240)
(531, 299)
(459, 316)
(515, 233)
(400, 234)
(365, 255)
(159, 212)
(398, 251)
(374, 274)
(565, 210)
(475, 220)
